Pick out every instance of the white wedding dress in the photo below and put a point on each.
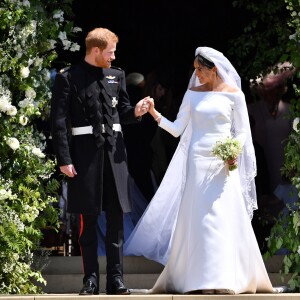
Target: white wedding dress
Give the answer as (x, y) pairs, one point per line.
(197, 223)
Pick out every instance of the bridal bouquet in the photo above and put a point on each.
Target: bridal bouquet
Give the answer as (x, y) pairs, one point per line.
(227, 149)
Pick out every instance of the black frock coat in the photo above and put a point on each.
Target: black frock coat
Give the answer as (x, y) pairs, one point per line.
(81, 96)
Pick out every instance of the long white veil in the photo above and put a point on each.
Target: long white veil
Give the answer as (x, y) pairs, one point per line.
(153, 234)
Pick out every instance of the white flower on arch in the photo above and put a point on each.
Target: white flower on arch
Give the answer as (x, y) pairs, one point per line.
(11, 110)
(295, 123)
(13, 143)
(23, 120)
(25, 72)
(38, 152)
(30, 93)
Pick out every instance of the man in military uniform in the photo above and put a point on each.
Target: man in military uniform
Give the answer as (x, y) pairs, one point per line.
(89, 103)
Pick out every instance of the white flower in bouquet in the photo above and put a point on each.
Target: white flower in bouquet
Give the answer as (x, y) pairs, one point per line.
(227, 149)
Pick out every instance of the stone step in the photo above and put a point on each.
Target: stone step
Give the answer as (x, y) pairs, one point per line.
(61, 284)
(156, 297)
(73, 265)
(64, 274)
(132, 264)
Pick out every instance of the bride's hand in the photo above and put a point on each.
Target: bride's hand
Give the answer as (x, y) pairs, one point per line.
(154, 113)
(150, 102)
(232, 162)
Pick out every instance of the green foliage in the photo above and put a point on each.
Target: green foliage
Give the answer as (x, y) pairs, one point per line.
(29, 34)
(273, 36)
(285, 235)
(267, 39)
(291, 167)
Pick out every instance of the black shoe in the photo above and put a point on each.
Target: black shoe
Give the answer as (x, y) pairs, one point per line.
(89, 288)
(117, 288)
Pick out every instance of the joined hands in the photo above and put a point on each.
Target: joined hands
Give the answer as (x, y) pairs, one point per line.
(142, 107)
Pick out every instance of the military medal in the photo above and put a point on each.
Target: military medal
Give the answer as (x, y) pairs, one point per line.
(114, 101)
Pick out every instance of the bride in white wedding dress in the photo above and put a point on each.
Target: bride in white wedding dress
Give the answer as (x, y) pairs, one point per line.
(199, 222)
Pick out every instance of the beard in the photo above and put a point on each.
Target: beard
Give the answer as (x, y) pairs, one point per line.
(100, 62)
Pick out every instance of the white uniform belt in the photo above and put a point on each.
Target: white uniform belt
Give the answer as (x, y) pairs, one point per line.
(89, 129)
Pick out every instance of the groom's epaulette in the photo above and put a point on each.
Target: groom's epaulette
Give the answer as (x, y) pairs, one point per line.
(63, 70)
(117, 68)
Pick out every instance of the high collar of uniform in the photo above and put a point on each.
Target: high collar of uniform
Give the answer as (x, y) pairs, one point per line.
(97, 71)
